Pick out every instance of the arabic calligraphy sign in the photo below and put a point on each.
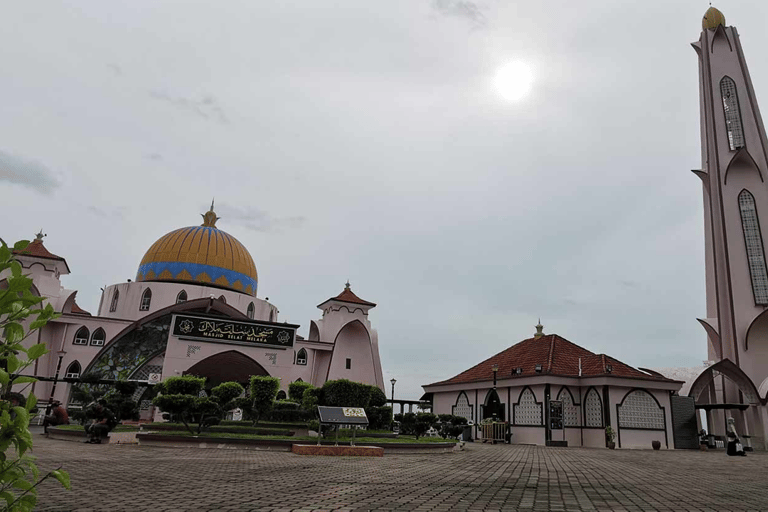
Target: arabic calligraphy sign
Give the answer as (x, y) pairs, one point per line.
(214, 329)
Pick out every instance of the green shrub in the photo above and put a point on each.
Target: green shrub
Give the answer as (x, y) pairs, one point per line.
(226, 393)
(296, 390)
(289, 415)
(311, 399)
(379, 418)
(345, 393)
(378, 398)
(286, 405)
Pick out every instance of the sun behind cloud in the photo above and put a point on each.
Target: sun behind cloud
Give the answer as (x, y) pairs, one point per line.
(514, 80)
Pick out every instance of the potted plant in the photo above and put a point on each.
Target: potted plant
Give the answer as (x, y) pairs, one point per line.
(610, 437)
(656, 445)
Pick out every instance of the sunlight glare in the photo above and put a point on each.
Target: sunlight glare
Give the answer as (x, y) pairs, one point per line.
(514, 80)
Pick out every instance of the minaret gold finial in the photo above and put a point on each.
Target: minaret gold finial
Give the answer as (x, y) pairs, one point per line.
(539, 330)
(209, 218)
(712, 18)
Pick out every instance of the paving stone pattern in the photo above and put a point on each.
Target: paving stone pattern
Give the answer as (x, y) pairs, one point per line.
(484, 477)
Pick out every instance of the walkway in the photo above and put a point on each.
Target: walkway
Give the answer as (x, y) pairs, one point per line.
(484, 477)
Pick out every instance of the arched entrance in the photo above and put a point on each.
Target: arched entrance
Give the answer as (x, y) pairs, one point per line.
(492, 408)
(229, 366)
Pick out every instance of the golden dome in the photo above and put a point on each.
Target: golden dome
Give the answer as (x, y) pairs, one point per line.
(203, 255)
(712, 18)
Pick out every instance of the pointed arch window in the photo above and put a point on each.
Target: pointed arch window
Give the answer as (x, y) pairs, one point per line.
(251, 311)
(272, 315)
(301, 357)
(73, 371)
(733, 126)
(462, 408)
(281, 395)
(98, 337)
(754, 242)
(81, 336)
(181, 297)
(115, 299)
(593, 409)
(146, 300)
(570, 411)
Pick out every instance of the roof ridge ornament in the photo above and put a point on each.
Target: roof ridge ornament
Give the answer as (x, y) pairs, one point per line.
(712, 18)
(39, 236)
(539, 330)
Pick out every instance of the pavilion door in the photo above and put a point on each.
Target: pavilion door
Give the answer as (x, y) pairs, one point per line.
(493, 407)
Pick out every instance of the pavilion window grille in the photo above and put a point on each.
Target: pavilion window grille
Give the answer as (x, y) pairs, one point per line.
(73, 371)
(640, 410)
(570, 411)
(301, 357)
(115, 299)
(754, 242)
(733, 124)
(98, 337)
(463, 408)
(81, 336)
(593, 409)
(145, 405)
(181, 297)
(527, 411)
(146, 300)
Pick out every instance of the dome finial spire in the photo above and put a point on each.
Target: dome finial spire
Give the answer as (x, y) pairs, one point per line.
(539, 330)
(209, 218)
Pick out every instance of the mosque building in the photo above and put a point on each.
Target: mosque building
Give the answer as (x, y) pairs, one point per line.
(193, 310)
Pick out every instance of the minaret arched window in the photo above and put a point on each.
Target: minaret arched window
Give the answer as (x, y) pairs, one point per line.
(98, 337)
(181, 297)
(733, 124)
(301, 357)
(73, 371)
(754, 242)
(81, 336)
(251, 310)
(146, 300)
(115, 298)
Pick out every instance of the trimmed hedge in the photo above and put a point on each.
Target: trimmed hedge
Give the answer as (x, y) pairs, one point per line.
(285, 405)
(296, 390)
(345, 393)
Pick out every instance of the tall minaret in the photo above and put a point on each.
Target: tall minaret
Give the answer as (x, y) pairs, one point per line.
(734, 172)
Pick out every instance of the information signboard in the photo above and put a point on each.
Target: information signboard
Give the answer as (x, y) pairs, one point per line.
(223, 330)
(555, 415)
(342, 415)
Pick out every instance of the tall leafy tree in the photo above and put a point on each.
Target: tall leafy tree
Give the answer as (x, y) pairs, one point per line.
(19, 307)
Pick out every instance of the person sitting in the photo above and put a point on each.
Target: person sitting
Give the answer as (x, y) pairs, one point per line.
(734, 443)
(102, 421)
(58, 416)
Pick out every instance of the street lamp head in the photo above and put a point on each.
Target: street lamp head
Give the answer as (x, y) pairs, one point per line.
(393, 381)
(495, 368)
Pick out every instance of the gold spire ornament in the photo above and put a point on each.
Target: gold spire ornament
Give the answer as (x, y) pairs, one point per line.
(209, 218)
(712, 18)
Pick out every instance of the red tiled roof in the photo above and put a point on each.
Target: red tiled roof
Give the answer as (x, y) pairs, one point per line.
(348, 296)
(556, 355)
(77, 310)
(38, 250)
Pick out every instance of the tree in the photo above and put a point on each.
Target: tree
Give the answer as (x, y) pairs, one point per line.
(18, 306)
(180, 397)
(263, 393)
(345, 393)
(120, 401)
(226, 393)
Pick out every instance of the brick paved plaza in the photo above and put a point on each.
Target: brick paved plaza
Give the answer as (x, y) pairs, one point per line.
(484, 477)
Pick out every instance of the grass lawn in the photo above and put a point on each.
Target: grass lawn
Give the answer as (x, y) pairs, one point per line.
(359, 439)
(81, 428)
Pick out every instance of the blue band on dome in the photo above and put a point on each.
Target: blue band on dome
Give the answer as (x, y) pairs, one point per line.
(195, 269)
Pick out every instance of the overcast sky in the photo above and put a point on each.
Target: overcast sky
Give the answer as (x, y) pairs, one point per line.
(366, 141)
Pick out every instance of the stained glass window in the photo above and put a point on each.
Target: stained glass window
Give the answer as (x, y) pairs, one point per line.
(754, 243)
(733, 125)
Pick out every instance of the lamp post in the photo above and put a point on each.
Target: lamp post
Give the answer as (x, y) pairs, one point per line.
(495, 371)
(393, 398)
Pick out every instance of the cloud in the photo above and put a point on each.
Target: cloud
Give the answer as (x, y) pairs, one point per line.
(28, 173)
(157, 157)
(206, 106)
(257, 220)
(461, 9)
(118, 212)
(117, 70)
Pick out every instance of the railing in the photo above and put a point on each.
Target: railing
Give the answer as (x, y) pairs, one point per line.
(494, 432)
